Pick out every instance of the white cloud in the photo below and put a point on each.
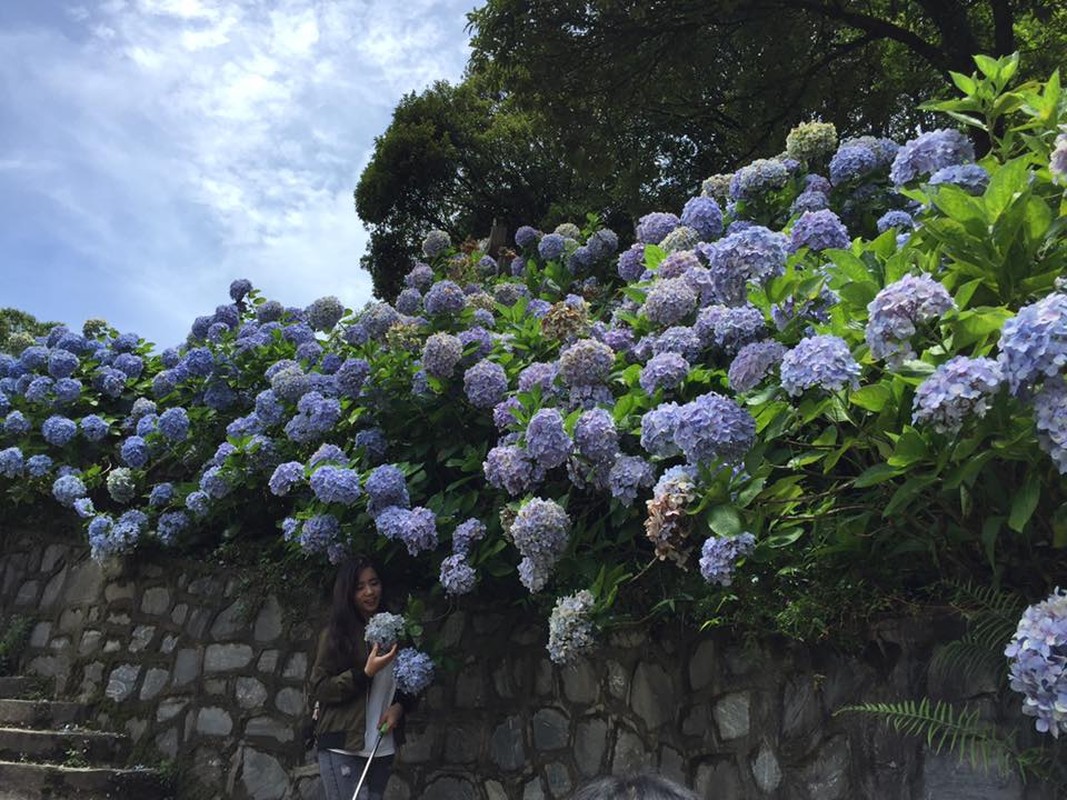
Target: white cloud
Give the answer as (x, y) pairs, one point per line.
(168, 146)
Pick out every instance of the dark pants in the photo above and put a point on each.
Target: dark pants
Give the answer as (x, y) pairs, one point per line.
(340, 774)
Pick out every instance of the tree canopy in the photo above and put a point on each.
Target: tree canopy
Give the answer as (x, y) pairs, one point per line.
(18, 328)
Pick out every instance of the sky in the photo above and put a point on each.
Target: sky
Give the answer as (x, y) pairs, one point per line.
(151, 151)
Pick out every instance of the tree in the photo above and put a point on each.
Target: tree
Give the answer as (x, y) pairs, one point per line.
(456, 157)
(19, 328)
(688, 88)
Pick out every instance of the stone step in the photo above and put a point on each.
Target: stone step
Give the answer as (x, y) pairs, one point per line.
(50, 782)
(22, 686)
(63, 747)
(40, 713)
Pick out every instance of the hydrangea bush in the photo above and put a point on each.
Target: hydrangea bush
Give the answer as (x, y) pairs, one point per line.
(825, 364)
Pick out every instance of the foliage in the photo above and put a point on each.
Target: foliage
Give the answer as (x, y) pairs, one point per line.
(851, 375)
(19, 328)
(14, 636)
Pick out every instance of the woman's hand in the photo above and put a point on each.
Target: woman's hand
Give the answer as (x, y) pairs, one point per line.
(391, 718)
(376, 661)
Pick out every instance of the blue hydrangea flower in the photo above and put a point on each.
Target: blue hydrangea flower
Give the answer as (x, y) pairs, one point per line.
(728, 329)
(1033, 344)
(409, 301)
(457, 575)
(415, 527)
(214, 483)
(336, 485)
(603, 243)
(59, 431)
(809, 201)
(39, 389)
(571, 632)
(419, 277)
(466, 535)
(720, 554)
(852, 162)
(901, 220)
(485, 384)
(239, 288)
(170, 526)
(270, 311)
(551, 246)
(37, 466)
(323, 314)
(1038, 664)
(67, 390)
(316, 416)
(16, 424)
(373, 443)
(12, 462)
(174, 424)
(960, 388)
(350, 377)
(436, 243)
(657, 430)
(134, 452)
(703, 215)
(1050, 419)
(101, 543)
(631, 264)
(929, 152)
(713, 427)
(595, 436)
(84, 507)
(753, 363)
(1057, 164)
(586, 362)
(819, 361)
(972, 178)
(897, 310)
(440, 355)
(386, 487)
(319, 534)
(753, 253)
(285, 477)
(628, 475)
(510, 468)
(547, 441)
(67, 489)
(654, 228)
(34, 357)
(669, 302)
(758, 178)
(539, 374)
(110, 382)
(526, 236)
(445, 298)
(62, 363)
(412, 671)
(819, 230)
(161, 495)
(663, 371)
(540, 532)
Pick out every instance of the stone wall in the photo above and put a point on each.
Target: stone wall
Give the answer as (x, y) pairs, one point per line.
(169, 653)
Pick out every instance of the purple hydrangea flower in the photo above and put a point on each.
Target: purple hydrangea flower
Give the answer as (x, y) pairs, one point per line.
(653, 228)
(37, 466)
(457, 575)
(809, 201)
(1038, 664)
(631, 265)
(445, 298)
(663, 371)
(720, 554)
(336, 485)
(901, 220)
(1057, 164)
(819, 361)
(972, 178)
(547, 441)
(323, 314)
(374, 323)
(728, 329)
(12, 462)
(539, 374)
(703, 215)
(852, 162)
(285, 477)
(959, 388)
(669, 302)
(412, 671)
(239, 288)
(510, 468)
(526, 236)
(419, 277)
(440, 355)
(485, 383)
(466, 534)
(897, 310)
(409, 301)
(1050, 419)
(416, 527)
(819, 230)
(628, 475)
(1033, 344)
(752, 364)
(657, 430)
(758, 178)
(435, 243)
(586, 362)
(571, 632)
(595, 436)
(929, 152)
(551, 246)
(386, 487)
(67, 489)
(713, 427)
(540, 532)
(753, 253)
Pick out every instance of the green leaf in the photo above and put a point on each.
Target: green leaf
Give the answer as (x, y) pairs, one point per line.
(1005, 183)
(784, 539)
(871, 398)
(859, 293)
(1025, 503)
(965, 83)
(876, 474)
(724, 520)
(911, 448)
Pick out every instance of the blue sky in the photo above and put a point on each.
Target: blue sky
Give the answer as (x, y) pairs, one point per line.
(153, 150)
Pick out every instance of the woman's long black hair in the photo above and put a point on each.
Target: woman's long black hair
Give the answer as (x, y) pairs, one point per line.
(345, 619)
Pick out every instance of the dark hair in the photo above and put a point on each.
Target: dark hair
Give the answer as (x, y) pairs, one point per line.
(643, 786)
(345, 619)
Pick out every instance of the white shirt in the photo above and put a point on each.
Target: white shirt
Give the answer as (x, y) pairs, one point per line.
(379, 698)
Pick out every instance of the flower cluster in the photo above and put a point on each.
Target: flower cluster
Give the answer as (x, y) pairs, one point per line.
(720, 554)
(819, 230)
(570, 630)
(822, 361)
(898, 310)
(1033, 344)
(929, 152)
(540, 532)
(809, 141)
(384, 629)
(1050, 419)
(1037, 656)
(960, 388)
(713, 427)
(413, 671)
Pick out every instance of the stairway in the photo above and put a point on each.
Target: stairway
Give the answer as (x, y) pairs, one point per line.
(46, 755)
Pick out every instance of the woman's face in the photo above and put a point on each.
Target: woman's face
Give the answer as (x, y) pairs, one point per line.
(368, 592)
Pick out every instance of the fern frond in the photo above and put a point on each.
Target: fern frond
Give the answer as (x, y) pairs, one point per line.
(968, 660)
(947, 728)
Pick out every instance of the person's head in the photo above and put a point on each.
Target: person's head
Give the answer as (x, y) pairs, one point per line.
(643, 786)
(358, 594)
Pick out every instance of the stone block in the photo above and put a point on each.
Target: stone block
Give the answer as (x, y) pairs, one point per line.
(703, 665)
(262, 776)
(270, 728)
(167, 742)
(652, 695)
(169, 709)
(449, 788)
(229, 623)
(463, 743)
(580, 684)
(765, 769)
(532, 790)
(551, 729)
(89, 642)
(52, 557)
(827, 776)
(296, 668)
(226, 657)
(53, 590)
(250, 693)
(186, 666)
(590, 744)
(470, 687)
(71, 620)
(141, 637)
(213, 721)
(732, 716)
(84, 583)
(40, 634)
(179, 614)
(117, 592)
(122, 682)
(290, 701)
(558, 779)
(268, 661)
(629, 754)
(156, 601)
(506, 747)
(268, 625)
(618, 680)
(720, 780)
(27, 595)
(154, 681)
(945, 777)
(545, 679)
(170, 641)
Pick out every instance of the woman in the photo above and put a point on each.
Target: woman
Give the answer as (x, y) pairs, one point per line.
(353, 689)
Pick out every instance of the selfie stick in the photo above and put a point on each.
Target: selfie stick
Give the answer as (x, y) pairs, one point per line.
(370, 758)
